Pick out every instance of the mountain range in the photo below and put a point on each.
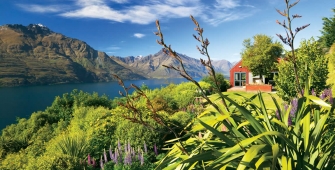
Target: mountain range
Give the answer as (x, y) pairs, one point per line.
(35, 55)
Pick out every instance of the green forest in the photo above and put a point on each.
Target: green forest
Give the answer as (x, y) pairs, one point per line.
(194, 125)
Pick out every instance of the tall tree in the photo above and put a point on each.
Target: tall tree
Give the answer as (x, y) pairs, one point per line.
(328, 30)
(260, 55)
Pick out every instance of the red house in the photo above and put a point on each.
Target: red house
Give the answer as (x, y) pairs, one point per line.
(241, 77)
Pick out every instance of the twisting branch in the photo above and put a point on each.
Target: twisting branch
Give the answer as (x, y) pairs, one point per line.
(290, 36)
(181, 69)
(137, 116)
(208, 65)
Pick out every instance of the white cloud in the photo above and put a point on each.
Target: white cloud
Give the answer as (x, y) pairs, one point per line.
(139, 35)
(120, 1)
(42, 8)
(145, 12)
(181, 2)
(96, 11)
(227, 10)
(227, 4)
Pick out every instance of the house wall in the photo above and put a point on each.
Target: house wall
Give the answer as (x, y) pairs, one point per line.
(252, 77)
(237, 68)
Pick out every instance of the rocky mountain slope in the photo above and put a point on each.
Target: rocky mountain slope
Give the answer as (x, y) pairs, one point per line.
(33, 55)
(151, 66)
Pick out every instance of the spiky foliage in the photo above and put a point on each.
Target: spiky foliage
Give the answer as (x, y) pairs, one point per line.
(252, 136)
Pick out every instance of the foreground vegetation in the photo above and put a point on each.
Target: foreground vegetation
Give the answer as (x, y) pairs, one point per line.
(187, 126)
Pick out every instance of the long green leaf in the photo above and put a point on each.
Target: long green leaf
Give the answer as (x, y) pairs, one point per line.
(250, 155)
(275, 153)
(243, 144)
(257, 126)
(319, 101)
(202, 156)
(262, 159)
(306, 130)
(217, 133)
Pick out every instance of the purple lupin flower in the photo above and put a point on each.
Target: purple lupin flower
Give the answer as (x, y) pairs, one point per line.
(101, 163)
(125, 160)
(119, 144)
(125, 148)
(145, 148)
(129, 158)
(294, 108)
(111, 155)
(155, 149)
(323, 95)
(142, 159)
(285, 107)
(105, 156)
(313, 92)
(139, 151)
(116, 156)
(289, 121)
(133, 152)
(89, 159)
(330, 94)
(277, 114)
(139, 156)
(129, 147)
(93, 162)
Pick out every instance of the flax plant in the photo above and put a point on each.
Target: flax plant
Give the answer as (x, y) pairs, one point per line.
(252, 136)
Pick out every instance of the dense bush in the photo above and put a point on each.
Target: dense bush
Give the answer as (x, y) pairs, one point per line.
(311, 64)
(79, 123)
(222, 82)
(331, 67)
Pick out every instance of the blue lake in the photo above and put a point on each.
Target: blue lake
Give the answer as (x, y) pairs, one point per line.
(22, 101)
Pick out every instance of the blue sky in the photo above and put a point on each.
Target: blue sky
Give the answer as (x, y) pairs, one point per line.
(125, 27)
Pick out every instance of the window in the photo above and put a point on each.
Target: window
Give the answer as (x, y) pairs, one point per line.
(240, 79)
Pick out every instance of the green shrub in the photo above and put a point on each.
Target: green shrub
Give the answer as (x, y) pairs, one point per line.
(222, 82)
(311, 64)
(15, 161)
(55, 161)
(181, 118)
(136, 133)
(331, 67)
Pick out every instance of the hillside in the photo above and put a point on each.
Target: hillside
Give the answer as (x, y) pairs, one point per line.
(35, 55)
(151, 66)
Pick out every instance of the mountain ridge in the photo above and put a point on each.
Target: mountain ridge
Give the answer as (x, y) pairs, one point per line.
(35, 55)
(152, 65)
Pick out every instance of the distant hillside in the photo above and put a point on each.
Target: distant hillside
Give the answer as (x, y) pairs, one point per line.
(33, 54)
(151, 66)
(222, 66)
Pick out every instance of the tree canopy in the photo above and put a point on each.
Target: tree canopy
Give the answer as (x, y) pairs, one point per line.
(260, 55)
(328, 30)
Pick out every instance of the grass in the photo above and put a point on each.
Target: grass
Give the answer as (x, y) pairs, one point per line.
(266, 97)
(237, 96)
